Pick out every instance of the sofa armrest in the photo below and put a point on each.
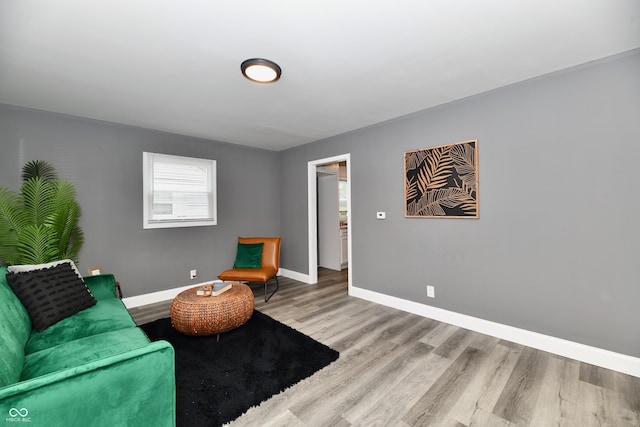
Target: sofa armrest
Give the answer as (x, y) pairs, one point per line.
(102, 286)
(132, 388)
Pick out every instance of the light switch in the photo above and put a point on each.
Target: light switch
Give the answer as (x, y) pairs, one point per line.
(381, 215)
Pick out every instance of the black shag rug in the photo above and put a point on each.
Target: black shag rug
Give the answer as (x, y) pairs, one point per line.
(216, 382)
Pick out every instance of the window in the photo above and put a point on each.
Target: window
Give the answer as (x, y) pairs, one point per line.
(178, 191)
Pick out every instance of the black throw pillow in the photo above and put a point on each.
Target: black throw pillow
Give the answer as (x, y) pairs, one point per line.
(51, 294)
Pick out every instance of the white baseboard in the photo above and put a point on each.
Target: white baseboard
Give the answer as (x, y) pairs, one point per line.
(160, 296)
(169, 294)
(294, 275)
(596, 356)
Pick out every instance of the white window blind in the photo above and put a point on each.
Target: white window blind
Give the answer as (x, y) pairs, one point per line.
(178, 191)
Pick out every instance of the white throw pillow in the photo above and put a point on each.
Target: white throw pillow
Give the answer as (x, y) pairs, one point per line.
(31, 267)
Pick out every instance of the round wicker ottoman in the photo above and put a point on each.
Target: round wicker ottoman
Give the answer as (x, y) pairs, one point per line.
(197, 315)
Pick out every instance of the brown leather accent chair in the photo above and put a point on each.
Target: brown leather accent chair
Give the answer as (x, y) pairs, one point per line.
(268, 270)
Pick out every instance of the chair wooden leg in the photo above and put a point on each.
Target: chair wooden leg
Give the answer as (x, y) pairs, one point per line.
(275, 290)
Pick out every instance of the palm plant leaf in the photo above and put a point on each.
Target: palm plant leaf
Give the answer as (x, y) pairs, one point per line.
(65, 226)
(420, 208)
(41, 223)
(75, 241)
(436, 169)
(37, 245)
(37, 198)
(12, 221)
(445, 183)
(414, 158)
(67, 219)
(38, 168)
(411, 189)
(62, 200)
(468, 183)
(65, 193)
(12, 217)
(463, 156)
(433, 201)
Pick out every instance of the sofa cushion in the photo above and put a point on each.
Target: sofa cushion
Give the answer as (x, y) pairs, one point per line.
(82, 351)
(249, 255)
(15, 327)
(107, 315)
(50, 294)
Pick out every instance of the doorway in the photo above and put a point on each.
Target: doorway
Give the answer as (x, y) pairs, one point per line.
(312, 203)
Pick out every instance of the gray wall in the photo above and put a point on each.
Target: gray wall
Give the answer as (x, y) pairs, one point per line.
(555, 249)
(104, 161)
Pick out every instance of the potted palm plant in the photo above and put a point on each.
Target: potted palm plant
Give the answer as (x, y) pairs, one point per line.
(40, 223)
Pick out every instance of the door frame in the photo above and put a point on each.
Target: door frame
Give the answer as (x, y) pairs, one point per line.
(312, 209)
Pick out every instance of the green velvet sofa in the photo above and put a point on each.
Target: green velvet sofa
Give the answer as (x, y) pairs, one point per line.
(94, 368)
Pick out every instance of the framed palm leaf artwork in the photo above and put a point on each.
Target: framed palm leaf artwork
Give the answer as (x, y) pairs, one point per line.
(442, 182)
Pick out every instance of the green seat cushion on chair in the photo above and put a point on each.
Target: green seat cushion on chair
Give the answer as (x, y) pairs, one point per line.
(107, 315)
(249, 255)
(15, 327)
(82, 351)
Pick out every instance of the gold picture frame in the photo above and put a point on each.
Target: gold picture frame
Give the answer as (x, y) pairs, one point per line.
(442, 181)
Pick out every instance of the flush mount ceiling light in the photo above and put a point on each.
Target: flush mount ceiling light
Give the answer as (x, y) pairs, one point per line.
(261, 70)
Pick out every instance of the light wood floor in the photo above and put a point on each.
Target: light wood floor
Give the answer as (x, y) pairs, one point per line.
(399, 369)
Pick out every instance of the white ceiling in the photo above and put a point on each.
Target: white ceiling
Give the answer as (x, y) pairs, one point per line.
(174, 65)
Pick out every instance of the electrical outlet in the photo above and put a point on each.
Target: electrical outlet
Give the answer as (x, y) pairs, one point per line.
(194, 274)
(431, 291)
